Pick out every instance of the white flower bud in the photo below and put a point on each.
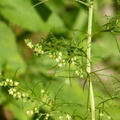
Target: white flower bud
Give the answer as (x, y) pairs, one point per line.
(57, 60)
(16, 83)
(101, 114)
(77, 72)
(30, 45)
(2, 83)
(42, 91)
(60, 65)
(36, 110)
(60, 53)
(14, 95)
(68, 117)
(11, 92)
(60, 117)
(28, 112)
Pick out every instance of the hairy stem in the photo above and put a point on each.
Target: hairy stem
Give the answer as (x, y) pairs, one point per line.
(92, 102)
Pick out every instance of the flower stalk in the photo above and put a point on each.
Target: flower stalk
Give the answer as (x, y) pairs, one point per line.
(91, 92)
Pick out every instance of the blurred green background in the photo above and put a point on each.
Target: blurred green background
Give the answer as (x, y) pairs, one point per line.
(65, 18)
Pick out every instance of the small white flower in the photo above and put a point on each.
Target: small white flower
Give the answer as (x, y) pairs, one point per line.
(77, 72)
(81, 76)
(42, 52)
(31, 112)
(30, 45)
(10, 91)
(73, 63)
(42, 91)
(60, 117)
(101, 114)
(28, 112)
(71, 59)
(68, 117)
(14, 90)
(5, 84)
(1, 84)
(59, 57)
(47, 115)
(11, 81)
(108, 117)
(60, 53)
(23, 95)
(36, 110)
(18, 94)
(60, 65)
(7, 80)
(16, 83)
(63, 60)
(57, 60)
(14, 95)
(46, 118)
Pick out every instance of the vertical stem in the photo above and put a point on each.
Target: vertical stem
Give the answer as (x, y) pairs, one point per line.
(92, 102)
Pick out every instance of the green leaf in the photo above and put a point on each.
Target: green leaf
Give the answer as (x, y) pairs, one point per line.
(8, 50)
(17, 12)
(55, 17)
(105, 46)
(22, 13)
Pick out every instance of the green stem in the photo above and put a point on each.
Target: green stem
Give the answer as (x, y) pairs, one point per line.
(92, 102)
(82, 3)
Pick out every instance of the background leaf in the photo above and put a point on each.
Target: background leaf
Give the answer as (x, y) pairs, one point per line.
(19, 12)
(8, 50)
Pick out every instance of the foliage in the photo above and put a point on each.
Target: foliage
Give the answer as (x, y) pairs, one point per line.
(53, 85)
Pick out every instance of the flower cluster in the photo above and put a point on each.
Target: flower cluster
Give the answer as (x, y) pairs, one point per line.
(29, 43)
(67, 116)
(79, 73)
(36, 47)
(9, 82)
(17, 94)
(34, 110)
(14, 90)
(64, 53)
(20, 93)
(59, 58)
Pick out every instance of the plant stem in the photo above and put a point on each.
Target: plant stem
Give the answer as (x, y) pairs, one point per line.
(83, 3)
(92, 102)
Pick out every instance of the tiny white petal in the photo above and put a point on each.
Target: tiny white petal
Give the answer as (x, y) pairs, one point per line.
(16, 83)
(60, 65)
